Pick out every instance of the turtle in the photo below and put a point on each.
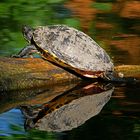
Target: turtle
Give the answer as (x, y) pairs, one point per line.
(70, 49)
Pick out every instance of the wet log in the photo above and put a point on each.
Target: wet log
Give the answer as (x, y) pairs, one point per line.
(27, 73)
(129, 70)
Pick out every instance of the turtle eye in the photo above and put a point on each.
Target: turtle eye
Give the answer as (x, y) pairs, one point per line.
(27, 33)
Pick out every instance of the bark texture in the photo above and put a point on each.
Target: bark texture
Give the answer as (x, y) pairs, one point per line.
(27, 73)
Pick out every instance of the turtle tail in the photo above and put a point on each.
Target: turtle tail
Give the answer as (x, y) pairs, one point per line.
(124, 80)
(119, 78)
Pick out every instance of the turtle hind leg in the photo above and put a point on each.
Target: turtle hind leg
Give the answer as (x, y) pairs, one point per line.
(26, 52)
(119, 78)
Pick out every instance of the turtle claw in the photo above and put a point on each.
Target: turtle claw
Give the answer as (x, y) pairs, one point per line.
(15, 56)
(19, 56)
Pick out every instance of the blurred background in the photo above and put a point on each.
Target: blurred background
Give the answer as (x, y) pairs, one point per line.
(114, 24)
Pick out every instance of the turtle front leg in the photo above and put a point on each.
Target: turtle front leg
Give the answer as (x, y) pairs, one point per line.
(26, 52)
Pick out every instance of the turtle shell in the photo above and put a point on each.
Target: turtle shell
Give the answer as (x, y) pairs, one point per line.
(71, 48)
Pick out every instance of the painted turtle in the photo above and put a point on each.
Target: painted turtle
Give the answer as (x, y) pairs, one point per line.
(70, 49)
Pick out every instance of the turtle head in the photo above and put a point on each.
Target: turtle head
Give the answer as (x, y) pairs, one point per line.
(27, 33)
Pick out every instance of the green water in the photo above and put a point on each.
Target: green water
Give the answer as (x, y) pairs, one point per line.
(114, 27)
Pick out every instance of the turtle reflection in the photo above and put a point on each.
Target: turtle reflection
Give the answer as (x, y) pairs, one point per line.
(70, 109)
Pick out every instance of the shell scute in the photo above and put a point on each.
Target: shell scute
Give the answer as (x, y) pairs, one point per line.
(72, 48)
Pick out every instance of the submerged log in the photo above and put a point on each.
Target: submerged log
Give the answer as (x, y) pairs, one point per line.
(34, 96)
(27, 73)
